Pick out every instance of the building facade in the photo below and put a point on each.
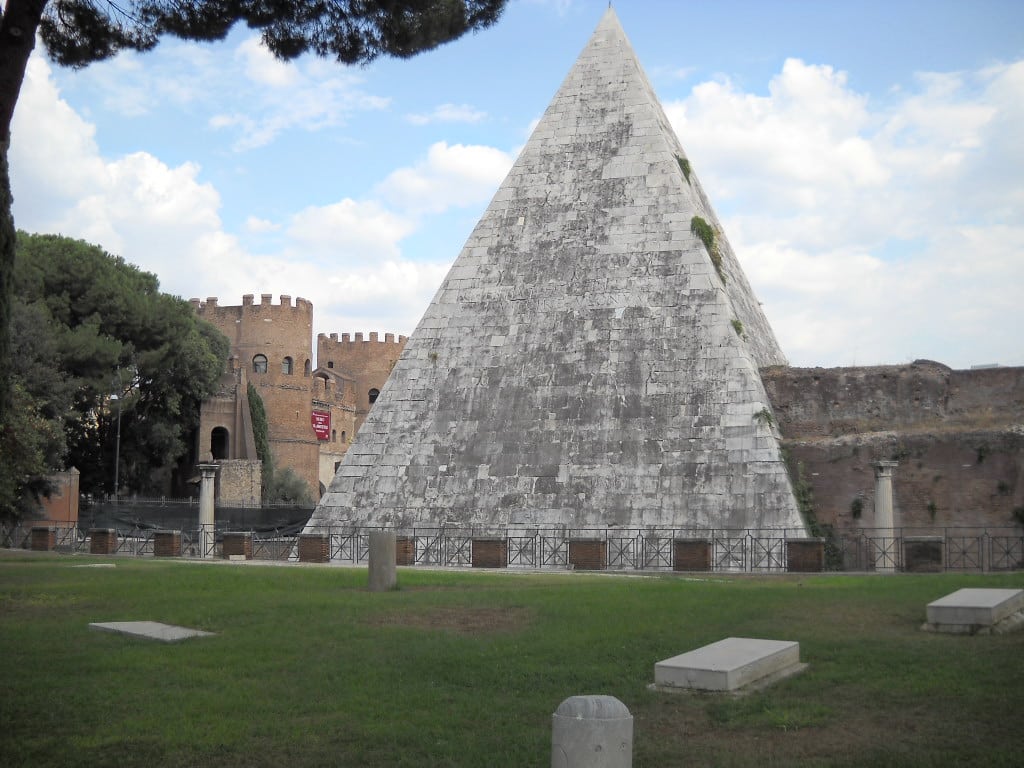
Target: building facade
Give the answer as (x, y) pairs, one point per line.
(312, 412)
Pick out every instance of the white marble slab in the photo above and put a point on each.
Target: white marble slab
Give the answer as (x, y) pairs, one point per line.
(728, 665)
(150, 630)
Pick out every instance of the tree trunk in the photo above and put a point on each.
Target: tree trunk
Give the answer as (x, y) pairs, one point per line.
(17, 39)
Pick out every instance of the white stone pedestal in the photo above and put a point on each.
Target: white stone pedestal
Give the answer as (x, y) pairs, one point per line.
(729, 665)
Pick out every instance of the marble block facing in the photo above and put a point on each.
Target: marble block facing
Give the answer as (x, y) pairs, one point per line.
(968, 610)
(728, 664)
(150, 630)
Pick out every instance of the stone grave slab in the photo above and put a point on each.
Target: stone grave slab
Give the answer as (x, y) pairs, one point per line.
(150, 630)
(729, 665)
(977, 611)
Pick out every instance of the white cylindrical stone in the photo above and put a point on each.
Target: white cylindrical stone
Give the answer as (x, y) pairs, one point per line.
(885, 546)
(592, 732)
(383, 573)
(207, 491)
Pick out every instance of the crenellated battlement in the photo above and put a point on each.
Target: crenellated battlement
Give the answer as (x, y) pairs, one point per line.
(265, 307)
(347, 338)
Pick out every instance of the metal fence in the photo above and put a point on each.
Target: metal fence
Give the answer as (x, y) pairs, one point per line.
(962, 549)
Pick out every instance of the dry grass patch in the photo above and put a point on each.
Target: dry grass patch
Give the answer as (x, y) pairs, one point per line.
(463, 620)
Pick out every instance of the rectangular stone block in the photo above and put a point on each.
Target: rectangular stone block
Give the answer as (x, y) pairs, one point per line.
(490, 553)
(237, 544)
(314, 548)
(728, 664)
(975, 607)
(102, 541)
(43, 538)
(167, 544)
(150, 630)
(588, 554)
(805, 555)
(923, 554)
(691, 555)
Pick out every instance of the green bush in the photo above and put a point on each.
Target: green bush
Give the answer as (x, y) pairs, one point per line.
(706, 234)
(684, 166)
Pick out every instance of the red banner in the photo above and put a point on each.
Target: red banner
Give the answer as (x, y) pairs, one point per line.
(322, 424)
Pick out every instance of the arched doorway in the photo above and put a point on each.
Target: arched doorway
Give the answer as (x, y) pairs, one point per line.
(220, 443)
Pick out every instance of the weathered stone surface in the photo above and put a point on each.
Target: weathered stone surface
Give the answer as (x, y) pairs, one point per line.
(971, 611)
(382, 561)
(957, 436)
(728, 665)
(583, 363)
(591, 732)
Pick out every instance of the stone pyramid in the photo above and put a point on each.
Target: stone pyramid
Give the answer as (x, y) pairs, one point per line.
(588, 361)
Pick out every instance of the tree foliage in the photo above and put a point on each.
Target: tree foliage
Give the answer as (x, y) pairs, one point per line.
(97, 343)
(78, 32)
(261, 433)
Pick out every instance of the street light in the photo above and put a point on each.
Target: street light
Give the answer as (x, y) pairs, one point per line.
(117, 446)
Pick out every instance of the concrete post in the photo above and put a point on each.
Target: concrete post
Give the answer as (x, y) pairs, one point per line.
(885, 548)
(592, 732)
(207, 490)
(382, 556)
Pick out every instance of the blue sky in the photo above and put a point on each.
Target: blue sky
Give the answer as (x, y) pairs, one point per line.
(864, 158)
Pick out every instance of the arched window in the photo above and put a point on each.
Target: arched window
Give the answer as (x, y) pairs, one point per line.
(287, 366)
(373, 394)
(306, 369)
(343, 437)
(334, 435)
(259, 364)
(219, 443)
(330, 363)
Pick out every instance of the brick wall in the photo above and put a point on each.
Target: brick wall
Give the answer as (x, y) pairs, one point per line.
(691, 555)
(490, 553)
(237, 544)
(405, 551)
(955, 435)
(167, 544)
(102, 541)
(44, 538)
(588, 554)
(923, 554)
(805, 555)
(314, 548)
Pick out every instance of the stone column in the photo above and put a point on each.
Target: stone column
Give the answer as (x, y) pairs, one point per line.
(207, 490)
(382, 556)
(885, 544)
(592, 732)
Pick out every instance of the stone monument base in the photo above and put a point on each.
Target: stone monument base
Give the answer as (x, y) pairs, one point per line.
(730, 665)
(977, 612)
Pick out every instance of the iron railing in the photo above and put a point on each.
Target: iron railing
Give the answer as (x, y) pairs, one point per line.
(961, 549)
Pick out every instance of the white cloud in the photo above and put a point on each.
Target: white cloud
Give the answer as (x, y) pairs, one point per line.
(263, 68)
(872, 234)
(448, 113)
(455, 175)
(360, 231)
(257, 225)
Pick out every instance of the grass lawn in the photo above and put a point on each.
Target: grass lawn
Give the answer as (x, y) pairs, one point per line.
(462, 668)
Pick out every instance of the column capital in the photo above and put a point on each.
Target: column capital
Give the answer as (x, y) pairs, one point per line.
(884, 467)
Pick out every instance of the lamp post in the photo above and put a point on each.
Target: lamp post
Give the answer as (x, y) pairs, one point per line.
(117, 445)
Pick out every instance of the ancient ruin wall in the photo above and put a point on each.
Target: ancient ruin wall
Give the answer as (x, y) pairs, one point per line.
(958, 437)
